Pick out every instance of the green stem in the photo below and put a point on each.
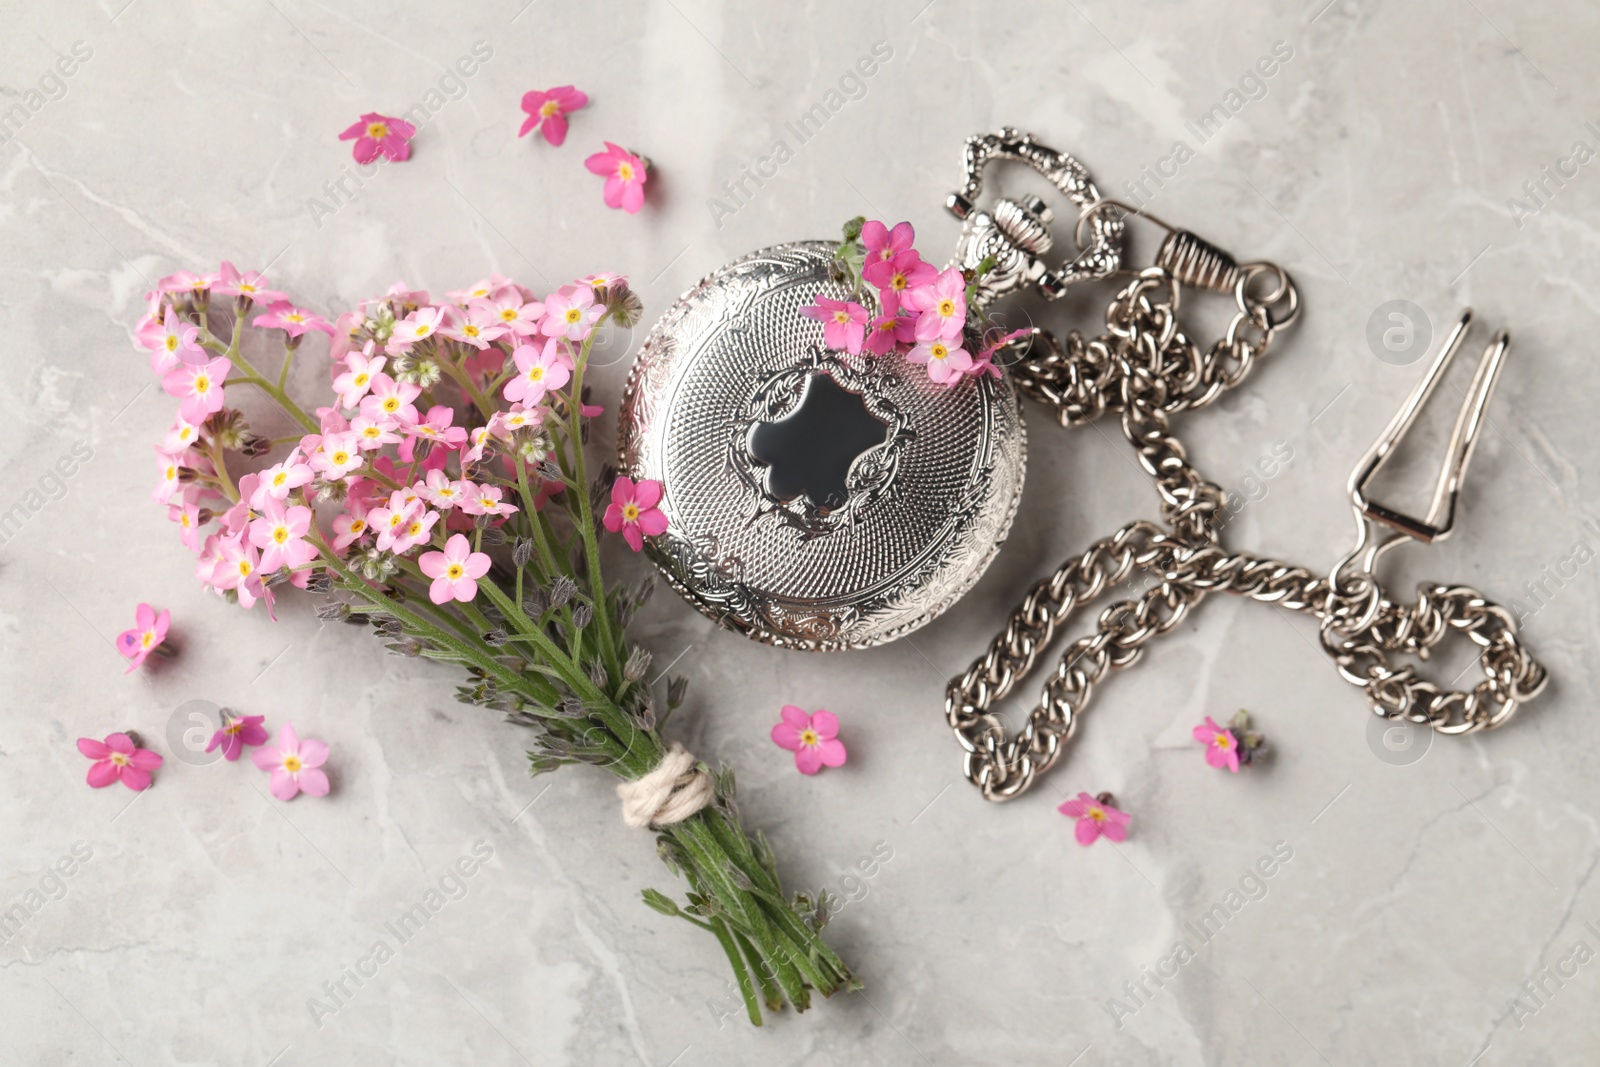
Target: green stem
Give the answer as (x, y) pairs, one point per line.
(747, 989)
(569, 671)
(283, 371)
(468, 386)
(602, 604)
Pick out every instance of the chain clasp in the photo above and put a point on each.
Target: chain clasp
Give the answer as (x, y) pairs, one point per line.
(1441, 517)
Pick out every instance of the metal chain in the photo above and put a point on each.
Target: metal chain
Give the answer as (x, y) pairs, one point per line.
(1145, 369)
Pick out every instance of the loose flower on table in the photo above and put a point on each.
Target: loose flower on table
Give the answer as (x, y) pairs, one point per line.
(625, 175)
(119, 758)
(813, 738)
(376, 135)
(295, 765)
(1096, 818)
(548, 110)
(148, 633)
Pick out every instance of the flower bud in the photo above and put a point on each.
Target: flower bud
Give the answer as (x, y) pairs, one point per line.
(521, 552)
(625, 306)
(582, 615)
(496, 638)
(637, 666)
(255, 445)
(534, 450)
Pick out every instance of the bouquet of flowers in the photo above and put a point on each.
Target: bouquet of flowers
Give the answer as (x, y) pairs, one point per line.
(438, 493)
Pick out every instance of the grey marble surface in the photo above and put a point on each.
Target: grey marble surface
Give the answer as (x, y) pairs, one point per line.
(1377, 163)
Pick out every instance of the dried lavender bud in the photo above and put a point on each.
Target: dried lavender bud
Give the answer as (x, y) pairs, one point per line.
(562, 590)
(570, 708)
(406, 646)
(187, 475)
(534, 603)
(677, 689)
(319, 582)
(522, 551)
(493, 535)
(646, 590)
(338, 611)
(645, 713)
(278, 577)
(637, 666)
(549, 469)
(495, 638)
(543, 764)
(597, 674)
(582, 616)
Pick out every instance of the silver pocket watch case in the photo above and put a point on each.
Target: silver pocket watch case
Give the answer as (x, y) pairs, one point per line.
(814, 500)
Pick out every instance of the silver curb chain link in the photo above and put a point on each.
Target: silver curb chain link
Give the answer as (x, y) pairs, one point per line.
(1145, 369)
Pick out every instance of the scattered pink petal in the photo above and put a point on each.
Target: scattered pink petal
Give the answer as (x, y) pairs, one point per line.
(146, 636)
(295, 765)
(376, 135)
(1222, 748)
(625, 175)
(236, 733)
(119, 758)
(548, 110)
(813, 738)
(1096, 818)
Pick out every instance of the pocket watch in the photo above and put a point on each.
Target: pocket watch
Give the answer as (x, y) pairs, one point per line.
(822, 502)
